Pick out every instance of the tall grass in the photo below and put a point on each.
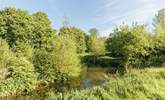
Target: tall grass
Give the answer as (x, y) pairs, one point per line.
(146, 84)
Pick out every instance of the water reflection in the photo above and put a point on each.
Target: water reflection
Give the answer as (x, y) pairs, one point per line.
(90, 83)
(94, 77)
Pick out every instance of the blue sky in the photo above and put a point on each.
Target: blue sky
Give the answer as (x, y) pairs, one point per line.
(86, 14)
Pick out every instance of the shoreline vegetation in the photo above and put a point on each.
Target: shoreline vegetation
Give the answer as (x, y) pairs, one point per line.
(39, 63)
(138, 84)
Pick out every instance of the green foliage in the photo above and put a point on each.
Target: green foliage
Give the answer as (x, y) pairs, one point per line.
(157, 56)
(159, 21)
(31, 55)
(96, 45)
(44, 65)
(19, 26)
(77, 35)
(60, 63)
(159, 41)
(129, 43)
(66, 57)
(22, 49)
(43, 33)
(159, 24)
(5, 52)
(16, 74)
(94, 32)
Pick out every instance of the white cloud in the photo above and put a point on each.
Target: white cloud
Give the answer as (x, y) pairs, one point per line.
(108, 4)
(141, 11)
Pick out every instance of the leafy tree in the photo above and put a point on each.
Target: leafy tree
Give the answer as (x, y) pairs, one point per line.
(96, 44)
(44, 65)
(159, 24)
(43, 33)
(22, 49)
(16, 74)
(19, 26)
(159, 41)
(94, 32)
(59, 64)
(2, 24)
(129, 43)
(16, 25)
(77, 35)
(67, 60)
(159, 21)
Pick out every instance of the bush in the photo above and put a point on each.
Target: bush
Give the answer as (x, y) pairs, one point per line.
(16, 74)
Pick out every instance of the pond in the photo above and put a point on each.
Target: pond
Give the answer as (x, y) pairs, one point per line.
(90, 77)
(94, 76)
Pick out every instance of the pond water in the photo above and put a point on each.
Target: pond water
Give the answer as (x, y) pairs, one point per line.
(94, 76)
(89, 77)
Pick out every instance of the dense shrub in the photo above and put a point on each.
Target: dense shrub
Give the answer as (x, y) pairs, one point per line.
(16, 74)
(22, 49)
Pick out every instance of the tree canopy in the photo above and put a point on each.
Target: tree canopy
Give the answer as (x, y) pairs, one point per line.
(95, 43)
(159, 25)
(159, 21)
(129, 43)
(77, 35)
(19, 26)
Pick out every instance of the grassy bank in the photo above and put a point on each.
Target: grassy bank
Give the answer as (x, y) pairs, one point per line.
(146, 84)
